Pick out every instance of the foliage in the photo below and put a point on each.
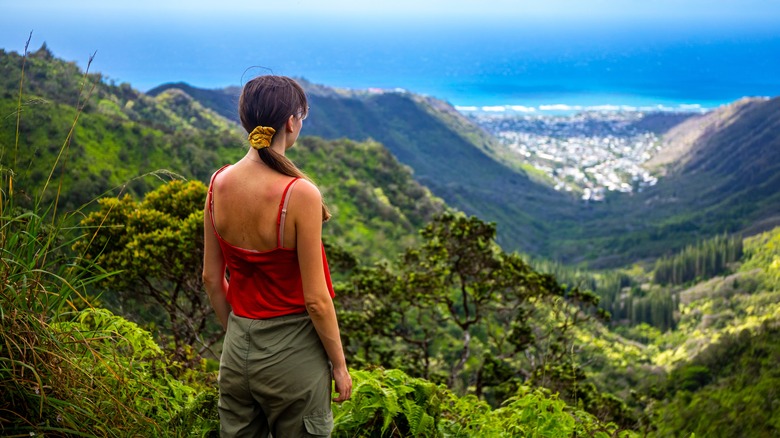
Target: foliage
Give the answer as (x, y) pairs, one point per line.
(529, 413)
(763, 252)
(389, 403)
(729, 389)
(520, 349)
(729, 182)
(121, 136)
(94, 374)
(376, 203)
(717, 308)
(457, 310)
(67, 368)
(71, 372)
(701, 261)
(635, 297)
(156, 246)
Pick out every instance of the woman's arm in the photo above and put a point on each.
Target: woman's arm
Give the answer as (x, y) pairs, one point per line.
(214, 270)
(306, 210)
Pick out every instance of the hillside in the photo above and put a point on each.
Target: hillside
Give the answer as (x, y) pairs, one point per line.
(446, 152)
(742, 160)
(121, 134)
(377, 205)
(126, 141)
(721, 174)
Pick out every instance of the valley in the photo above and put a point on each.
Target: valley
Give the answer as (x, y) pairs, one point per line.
(684, 178)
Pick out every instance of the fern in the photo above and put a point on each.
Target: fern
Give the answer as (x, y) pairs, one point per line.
(388, 403)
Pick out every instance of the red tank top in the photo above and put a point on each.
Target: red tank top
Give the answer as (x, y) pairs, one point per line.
(265, 284)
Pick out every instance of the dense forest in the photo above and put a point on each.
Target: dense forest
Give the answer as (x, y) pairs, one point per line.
(106, 329)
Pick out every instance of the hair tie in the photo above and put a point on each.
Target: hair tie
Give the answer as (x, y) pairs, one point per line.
(260, 137)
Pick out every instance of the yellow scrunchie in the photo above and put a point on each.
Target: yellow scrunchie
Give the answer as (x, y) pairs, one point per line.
(260, 137)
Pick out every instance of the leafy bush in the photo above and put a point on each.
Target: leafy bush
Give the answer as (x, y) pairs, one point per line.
(389, 403)
(65, 371)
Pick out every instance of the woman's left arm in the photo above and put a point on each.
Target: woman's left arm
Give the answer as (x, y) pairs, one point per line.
(306, 209)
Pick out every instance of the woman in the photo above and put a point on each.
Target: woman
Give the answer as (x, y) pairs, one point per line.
(263, 225)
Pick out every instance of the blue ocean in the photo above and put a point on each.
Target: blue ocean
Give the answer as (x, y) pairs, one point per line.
(524, 67)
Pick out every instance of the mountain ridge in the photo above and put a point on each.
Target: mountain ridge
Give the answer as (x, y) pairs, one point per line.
(681, 138)
(452, 157)
(448, 154)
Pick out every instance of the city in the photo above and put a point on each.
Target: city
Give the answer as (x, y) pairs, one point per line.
(588, 153)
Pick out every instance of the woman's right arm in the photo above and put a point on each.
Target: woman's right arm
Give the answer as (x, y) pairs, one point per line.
(214, 270)
(306, 209)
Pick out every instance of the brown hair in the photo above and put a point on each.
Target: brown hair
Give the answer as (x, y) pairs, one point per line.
(269, 101)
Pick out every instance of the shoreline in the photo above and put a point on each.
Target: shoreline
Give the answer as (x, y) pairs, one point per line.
(566, 109)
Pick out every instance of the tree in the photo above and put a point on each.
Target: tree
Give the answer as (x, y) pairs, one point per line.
(156, 249)
(461, 311)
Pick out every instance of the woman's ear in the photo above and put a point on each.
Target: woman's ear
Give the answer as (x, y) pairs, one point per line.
(290, 125)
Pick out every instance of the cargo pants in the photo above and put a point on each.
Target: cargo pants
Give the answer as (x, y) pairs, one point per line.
(274, 379)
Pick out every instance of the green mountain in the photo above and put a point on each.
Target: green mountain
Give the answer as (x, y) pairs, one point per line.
(446, 152)
(126, 141)
(121, 134)
(724, 178)
(736, 150)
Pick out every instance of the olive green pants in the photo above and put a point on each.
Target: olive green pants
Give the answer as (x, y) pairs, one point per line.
(274, 379)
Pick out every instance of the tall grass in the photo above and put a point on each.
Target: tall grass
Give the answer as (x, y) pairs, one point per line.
(67, 368)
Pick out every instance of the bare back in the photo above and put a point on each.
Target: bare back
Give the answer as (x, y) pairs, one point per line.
(246, 200)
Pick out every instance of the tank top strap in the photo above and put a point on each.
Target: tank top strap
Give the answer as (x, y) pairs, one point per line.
(211, 197)
(282, 215)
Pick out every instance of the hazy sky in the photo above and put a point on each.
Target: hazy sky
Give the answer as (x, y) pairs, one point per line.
(400, 10)
(211, 42)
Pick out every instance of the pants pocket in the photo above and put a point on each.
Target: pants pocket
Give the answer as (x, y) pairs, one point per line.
(319, 424)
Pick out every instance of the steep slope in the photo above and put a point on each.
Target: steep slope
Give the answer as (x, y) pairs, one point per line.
(729, 177)
(447, 153)
(448, 162)
(681, 140)
(722, 175)
(122, 135)
(377, 205)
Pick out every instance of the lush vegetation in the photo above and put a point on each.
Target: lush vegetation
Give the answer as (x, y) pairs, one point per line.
(69, 368)
(126, 142)
(106, 332)
(377, 205)
(701, 261)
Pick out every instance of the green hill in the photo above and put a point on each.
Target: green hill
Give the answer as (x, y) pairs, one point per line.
(725, 178)
(446, 152)
(123, 134)
(717, 361)
(120, 136)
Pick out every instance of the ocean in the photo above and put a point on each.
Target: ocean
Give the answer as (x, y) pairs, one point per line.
(521, 67)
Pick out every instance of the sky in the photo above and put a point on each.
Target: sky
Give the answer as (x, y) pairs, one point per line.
(211, 43)
(400, 10)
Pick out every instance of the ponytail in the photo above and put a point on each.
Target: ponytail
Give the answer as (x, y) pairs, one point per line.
(269, 101)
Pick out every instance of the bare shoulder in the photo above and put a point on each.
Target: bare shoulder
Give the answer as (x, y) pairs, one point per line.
(218, 179)
(306, 192)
